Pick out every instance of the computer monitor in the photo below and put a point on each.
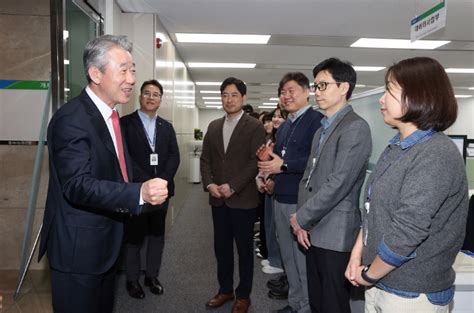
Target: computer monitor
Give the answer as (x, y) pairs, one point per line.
(461, 143)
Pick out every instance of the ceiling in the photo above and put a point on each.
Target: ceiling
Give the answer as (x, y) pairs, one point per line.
(305, 32)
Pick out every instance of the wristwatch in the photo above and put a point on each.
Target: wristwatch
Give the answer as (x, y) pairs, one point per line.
(284, 167)
(365, 277)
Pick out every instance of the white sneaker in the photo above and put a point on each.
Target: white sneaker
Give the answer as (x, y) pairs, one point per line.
(268, 269)
(265, 262)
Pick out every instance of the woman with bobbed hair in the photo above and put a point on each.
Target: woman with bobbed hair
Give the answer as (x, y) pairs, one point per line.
(414, 217)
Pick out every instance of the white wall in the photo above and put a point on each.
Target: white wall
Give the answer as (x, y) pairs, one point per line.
(465, 123)
(208, 115)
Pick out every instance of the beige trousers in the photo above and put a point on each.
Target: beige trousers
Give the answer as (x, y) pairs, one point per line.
(379, 301)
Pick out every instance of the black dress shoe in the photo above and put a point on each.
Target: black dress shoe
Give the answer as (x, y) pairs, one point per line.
(135, 290)
(277, 283)
(154, 284)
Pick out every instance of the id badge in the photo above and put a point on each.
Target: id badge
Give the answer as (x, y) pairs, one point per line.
(154, 159)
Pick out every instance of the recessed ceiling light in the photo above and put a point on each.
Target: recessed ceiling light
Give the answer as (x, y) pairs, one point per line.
(213, 102)
(266, 107)
(398, 43)
(220, 65)
(211, 98)
(368, 68)
(222, 38)
(214, 106)
(460, 70)
(463, 96)
(274, 99)
(471, 88)
(209, 91)
(270, 103)
(209, 84)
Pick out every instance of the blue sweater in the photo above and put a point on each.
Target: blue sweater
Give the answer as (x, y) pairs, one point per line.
(295, 139)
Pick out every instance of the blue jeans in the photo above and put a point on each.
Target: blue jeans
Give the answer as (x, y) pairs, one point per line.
(273, 248)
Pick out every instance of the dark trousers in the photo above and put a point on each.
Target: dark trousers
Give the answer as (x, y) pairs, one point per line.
(229, 225)
(329, 290)
(152, 227)
(79, 293)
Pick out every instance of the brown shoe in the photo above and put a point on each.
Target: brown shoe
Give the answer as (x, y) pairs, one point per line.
(219, 300)
(241, 306)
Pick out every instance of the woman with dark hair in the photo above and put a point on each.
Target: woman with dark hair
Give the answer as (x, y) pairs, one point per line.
(414, 217)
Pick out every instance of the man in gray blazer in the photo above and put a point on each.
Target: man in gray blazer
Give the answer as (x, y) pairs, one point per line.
(327, 219)
(228, 169)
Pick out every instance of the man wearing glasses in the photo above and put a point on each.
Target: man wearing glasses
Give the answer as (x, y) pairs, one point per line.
(153, 147)
(327, 218)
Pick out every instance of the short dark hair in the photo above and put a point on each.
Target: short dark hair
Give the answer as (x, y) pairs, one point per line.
(298, 77)
(427, 94)
(153, 82)
(341, 71)
(267, 117)
(240, 85)
(247, 108)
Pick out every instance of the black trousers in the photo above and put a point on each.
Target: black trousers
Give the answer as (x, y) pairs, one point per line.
(152, 227)
(328, 289)
(229, 225)
(79, 293)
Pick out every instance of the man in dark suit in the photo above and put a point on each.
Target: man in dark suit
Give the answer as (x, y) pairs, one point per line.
(327, 218)
(153, 147)
(89, 189)
(229, 168)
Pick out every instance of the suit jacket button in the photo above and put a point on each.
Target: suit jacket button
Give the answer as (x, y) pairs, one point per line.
(310, 189)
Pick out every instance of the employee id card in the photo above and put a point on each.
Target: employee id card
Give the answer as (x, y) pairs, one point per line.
(154, 159)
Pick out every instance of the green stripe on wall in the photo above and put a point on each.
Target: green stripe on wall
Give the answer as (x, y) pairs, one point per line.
(29, 85)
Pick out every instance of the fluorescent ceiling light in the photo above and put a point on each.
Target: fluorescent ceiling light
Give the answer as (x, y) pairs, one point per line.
(208, 84)
(265, 107)
(185, 102)
(183, 91)
(471, 88)
(463, 96)
(213, 102)
(169, 64)
(220, 65)
(184, 97)
(209, 91)
(274, 99)
(222, 38)
(398, 43)
(214, 107)
(360, 86)
(211, 98)
(368, 68)
(460, 70)
(270, 103)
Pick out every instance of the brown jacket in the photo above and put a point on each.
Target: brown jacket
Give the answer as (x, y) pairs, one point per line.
(237, 166)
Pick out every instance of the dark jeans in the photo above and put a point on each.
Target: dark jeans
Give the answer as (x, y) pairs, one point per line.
(229, 225)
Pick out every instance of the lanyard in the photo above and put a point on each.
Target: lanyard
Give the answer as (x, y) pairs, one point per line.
(288, 137)
(151, 143)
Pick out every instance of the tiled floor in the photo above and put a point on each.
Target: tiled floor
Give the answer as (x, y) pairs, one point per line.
(35, 294)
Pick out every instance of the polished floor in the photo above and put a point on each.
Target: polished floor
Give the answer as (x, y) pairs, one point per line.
(188, 270)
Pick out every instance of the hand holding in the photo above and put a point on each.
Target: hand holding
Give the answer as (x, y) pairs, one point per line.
(225, 190)
(271, 167)
(353, 269)
(261, 184)
(154, 191)
(269, 186)
(214, 191)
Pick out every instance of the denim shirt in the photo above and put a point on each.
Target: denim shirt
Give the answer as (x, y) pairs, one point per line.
(442, 297)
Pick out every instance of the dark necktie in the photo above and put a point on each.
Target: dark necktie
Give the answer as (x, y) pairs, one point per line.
(118, 140)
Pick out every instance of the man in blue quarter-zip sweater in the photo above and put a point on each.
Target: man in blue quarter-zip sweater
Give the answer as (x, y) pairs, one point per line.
(291, 151)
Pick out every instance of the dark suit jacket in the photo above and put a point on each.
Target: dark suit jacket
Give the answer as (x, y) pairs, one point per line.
(329, 206)
(166, 147)
(82, 228)
(237, 166)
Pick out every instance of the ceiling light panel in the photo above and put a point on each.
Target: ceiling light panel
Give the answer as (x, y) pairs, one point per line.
(460, 70)
(381, 43)
(222, 38)
(220, 65)
(368, 68)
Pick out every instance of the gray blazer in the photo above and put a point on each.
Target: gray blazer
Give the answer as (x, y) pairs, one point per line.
(237, 166)
(328, 205)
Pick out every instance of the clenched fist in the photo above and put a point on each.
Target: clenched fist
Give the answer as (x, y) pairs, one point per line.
(154, 191)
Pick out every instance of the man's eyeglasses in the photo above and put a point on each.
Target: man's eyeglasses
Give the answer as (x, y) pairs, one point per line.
(321, 86)
(151, 95)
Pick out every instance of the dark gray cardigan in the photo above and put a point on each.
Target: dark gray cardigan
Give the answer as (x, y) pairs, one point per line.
(419, 208)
